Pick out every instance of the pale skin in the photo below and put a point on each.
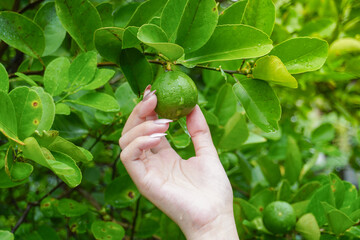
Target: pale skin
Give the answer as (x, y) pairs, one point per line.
(195, 193)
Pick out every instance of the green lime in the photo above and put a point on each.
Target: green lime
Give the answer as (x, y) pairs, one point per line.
(279, 217)
(176, 94)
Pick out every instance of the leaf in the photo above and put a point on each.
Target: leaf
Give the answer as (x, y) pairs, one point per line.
(302, 54)
(136, 69)
(323, 194)
(73, 177)
(28, 110)
(130, 39)
(100, 101)
(285, 193)
(71, 208)
(21, 33)
(189, 23)
(293, 162)
(108, 42)
(5, 181)
(145, 12)
(80, 19)
(48, 109)
(21, 171)
(121, 192)
(8, 123)
(62, 108)
(250, 211)
(6, 235)
(50, 23)
(338, 189)
(102, 76)
(270, 170)
(155, 37)
(82, 69)
(68, 148)
(105, 11)
(350, 203)
(324, 133)
(308, 227)
(230, 42)
(233, 14)
(4, 79)
(260, 14)
(306, 191)
(262, 198)
(56, 76)
(271, 69)
(124, 13)
(126, 98)
(339, 222)
(236, 133)
(260, 102)
(321, 28)
(26, 78)
(225, 105)
(107, 230)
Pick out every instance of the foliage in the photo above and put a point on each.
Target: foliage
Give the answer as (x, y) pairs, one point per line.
(278, 85)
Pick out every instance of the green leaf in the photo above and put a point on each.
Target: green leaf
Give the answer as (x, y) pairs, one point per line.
(339, 222)
(260, 102)
(321, 28)
(71, 177)
(302, 54)
(62, 109)
(126, 98)
(56, 76)
(236, 133)
(233, 14)
(28, 109)
(323, 194)
(4, 79)
(225, 105)
(250, 211)
(26, 78)
(146, 11)
(261, 199)
(338, 189)
(107, 230)
(108, 42)
(189, 23)
(324, 133)
(293, 162)
(285, 193)
(230, 42)
(136, 69)
(102, 76)
(130, 39)
(8, 123)
(270, 170)
(54, 32)
(5, 181)
(6, 235)
(80, 19)
(22, 33)
(350, 195)
(100, 101)
(105, 11)
(306, 191)
(68, 148)
(121, 192)
(48, 109)
(308, 227)
(21, 171)
(155, 37)
(271, 69)
(260, 14)
(82, 69)
(71, 208)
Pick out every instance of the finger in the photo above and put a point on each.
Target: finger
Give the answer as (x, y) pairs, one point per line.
(200, 133)
(144, 129)
(142, 111)
(133, 155)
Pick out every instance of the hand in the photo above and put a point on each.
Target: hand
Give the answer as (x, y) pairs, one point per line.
(195, 193)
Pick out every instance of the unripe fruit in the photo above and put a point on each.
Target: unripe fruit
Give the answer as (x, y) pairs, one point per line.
(279, 217)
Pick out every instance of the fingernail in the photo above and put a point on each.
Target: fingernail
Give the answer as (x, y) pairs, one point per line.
(162, 121)
(147, 90)
(148, 95)
(157, 135)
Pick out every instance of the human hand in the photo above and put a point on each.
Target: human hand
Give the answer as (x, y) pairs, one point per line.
(195, 193)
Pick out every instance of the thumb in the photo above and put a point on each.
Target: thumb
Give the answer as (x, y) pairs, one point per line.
(200, 133)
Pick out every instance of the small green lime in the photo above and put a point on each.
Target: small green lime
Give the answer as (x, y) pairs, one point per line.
(279, 217)
(176, 94)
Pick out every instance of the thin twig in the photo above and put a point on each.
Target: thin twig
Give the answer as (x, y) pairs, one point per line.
(135, 219)
(31, 6)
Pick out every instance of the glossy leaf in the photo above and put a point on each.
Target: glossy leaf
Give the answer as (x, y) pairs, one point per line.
(102, 76)
(260, 14)
(68, 148)
(82, 69)
(8, 122)
(108, 42)
(100, 101)
(308, 227)
(56, 76)
(271, 69)
(234, 13)
(339, 222)
(71, 208)
(225, 105)
(230, 42)
(136, 69)
(48, 109)
(4, 79)
(270, 170)
(28, 109)
(121, 192)
(6, 235)
(236, 133)
(54, 32)
(107, 230)
(302, 54)
(62, 108)
(260, 102)
(293, 162)
(189, 23)
(73, 177)
(146, 11)
(130, 38)
(72, 16)
(155, 37)
(22, 33)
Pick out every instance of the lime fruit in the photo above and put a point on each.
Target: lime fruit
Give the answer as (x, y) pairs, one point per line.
(176, 95)
(279, 217)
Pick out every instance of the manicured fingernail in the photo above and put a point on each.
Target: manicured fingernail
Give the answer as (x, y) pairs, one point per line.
(147, 90)
(157, 135)
(148, 95)
(162, 121)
